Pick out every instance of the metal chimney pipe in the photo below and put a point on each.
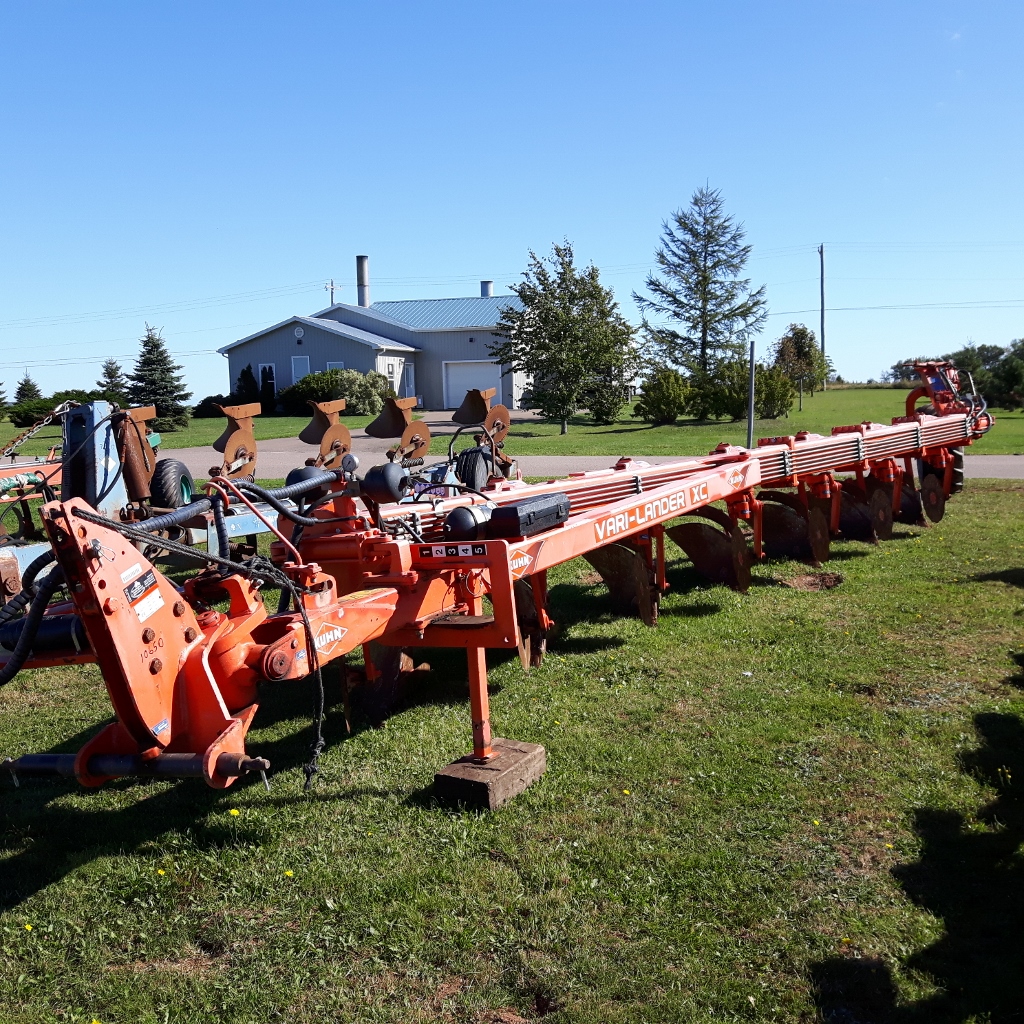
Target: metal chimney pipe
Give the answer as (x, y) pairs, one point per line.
(486, 289)
(363, 280)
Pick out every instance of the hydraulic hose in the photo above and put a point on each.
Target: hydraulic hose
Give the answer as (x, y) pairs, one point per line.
(46, 589)
(17, 604)
(221, 527)
(270, 497)
(186, 512)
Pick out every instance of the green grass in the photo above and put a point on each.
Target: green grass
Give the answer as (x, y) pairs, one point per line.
(784, 806)
(821, 413)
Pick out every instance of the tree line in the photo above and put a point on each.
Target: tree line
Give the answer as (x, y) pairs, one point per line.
(699, 314)
(997, 372)
(155, 379)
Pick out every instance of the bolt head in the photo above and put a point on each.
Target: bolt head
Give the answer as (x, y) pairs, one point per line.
(148, 635)
(155, 666)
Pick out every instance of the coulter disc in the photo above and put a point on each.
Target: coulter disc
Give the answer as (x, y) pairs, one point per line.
(818, 536)
(933, 498)
(880, 507)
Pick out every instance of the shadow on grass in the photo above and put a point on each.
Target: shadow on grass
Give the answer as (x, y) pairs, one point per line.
(974, 881)
(1018, 678)
(1011, 577)
(56, 839)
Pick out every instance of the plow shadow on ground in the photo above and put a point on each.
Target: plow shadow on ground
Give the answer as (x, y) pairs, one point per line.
(971, 875)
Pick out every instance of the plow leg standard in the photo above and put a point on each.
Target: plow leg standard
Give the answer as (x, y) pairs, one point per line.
(393, 562)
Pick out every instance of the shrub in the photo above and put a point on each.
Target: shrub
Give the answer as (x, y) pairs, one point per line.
(208, 409)
(774, 392)
(721, 392)
(662, 398)
(25, 414)
(609, 393)
(363, 393)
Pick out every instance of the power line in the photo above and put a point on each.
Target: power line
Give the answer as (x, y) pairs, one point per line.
(67, 319)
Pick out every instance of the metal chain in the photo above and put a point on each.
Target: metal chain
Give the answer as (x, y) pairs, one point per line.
(36, 427)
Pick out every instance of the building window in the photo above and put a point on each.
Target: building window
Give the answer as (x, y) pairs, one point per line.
(335, 366)
(268, 378)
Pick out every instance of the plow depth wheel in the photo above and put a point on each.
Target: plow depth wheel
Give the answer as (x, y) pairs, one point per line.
(718, 556)
(933, 497)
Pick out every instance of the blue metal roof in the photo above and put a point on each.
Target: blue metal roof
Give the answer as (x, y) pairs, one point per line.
(446, 314)
(352, 333)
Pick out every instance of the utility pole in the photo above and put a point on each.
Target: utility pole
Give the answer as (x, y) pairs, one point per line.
(821, 254)
(330, 288)
(750, 399)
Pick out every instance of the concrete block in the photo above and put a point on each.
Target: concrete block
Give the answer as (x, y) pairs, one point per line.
(486, 787)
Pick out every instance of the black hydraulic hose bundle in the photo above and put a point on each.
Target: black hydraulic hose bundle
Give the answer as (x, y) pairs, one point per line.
(201, 505)
(13, 608)
(46, 589)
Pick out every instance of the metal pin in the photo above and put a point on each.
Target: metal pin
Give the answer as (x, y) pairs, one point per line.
(9, 764)
(266, 781)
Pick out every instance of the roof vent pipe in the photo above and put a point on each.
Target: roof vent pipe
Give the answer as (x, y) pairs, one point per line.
(486, 289)
(363, 280)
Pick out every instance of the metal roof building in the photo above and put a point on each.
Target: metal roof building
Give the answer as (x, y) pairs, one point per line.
(434, 348)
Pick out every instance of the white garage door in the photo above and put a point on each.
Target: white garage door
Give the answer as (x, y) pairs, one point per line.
(462, 377)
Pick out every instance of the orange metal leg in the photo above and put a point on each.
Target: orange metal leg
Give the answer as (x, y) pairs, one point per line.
(479, 704)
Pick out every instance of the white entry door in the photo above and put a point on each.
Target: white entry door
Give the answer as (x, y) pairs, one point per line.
(300, 368)
(461, 377)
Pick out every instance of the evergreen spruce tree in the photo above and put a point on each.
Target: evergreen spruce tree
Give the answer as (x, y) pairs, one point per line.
(28, 390)
(157, 380)
(711, 311)
(569, 336)
(3, 399)
(113, 383)
(247, 388)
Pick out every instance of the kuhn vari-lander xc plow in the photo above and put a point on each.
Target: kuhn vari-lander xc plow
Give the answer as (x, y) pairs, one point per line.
(452, 555)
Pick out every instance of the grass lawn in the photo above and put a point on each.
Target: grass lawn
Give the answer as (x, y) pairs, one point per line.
(784, 806)
(821, 413)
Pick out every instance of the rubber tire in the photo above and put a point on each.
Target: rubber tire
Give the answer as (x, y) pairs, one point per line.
(172, 485)
(471, 467)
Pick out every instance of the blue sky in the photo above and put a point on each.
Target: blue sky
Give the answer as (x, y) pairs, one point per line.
(207, 167)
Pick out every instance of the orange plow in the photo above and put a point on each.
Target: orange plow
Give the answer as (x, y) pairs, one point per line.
(375, 565)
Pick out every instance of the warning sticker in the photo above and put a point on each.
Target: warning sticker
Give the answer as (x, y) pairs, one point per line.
(144, 595)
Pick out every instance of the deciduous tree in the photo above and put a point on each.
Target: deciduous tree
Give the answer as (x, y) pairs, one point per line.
(568, 336)
(799, 357)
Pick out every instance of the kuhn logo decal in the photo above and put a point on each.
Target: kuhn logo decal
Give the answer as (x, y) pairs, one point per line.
(520, 564)
(328, 636)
